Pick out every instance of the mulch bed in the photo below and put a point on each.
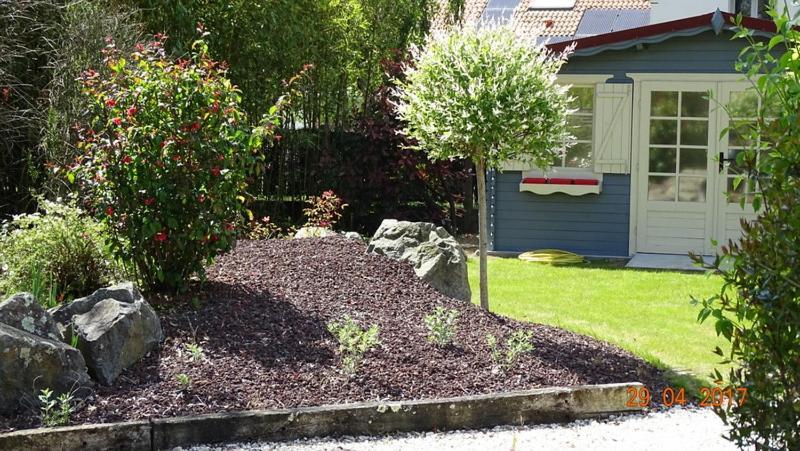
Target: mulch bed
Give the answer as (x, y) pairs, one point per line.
(262, 325)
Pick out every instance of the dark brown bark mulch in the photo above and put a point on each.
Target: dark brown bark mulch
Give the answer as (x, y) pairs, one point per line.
(262, 326)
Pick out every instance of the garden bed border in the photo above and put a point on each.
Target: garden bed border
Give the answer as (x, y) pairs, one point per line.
(538, 406)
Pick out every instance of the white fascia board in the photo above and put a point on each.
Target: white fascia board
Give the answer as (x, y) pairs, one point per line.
(682, 76)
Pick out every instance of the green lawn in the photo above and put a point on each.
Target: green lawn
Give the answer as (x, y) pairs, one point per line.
(646, 312)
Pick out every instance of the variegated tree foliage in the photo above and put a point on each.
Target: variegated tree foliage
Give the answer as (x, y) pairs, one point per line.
(485, 94)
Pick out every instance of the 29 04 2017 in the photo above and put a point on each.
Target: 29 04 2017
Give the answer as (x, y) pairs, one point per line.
(727, 397)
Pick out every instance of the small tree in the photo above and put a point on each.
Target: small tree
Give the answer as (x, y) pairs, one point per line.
(488, 96)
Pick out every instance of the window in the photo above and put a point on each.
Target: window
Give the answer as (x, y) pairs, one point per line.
(579, 151)
(754, 8)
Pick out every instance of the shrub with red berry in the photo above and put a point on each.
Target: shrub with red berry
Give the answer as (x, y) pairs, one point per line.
(166, 152)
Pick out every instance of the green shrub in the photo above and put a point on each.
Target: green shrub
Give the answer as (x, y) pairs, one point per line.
(55, 411)
(58, 250)
(758, 308)
(354, 342)
(265, 229)
(166, 154)
(324, 211)
(442, 326)
(506, 357)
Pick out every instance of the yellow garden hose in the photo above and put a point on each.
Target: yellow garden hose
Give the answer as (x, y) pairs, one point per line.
(551, 256)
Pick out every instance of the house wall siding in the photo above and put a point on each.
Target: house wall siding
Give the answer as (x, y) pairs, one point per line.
(587, 225)
(703, 53)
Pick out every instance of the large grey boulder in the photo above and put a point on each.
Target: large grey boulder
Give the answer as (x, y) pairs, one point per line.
(23, 312)
(29, 363)
(436, 256)
(115, 326)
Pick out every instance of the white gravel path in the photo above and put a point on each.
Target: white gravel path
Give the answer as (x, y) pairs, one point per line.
(682, 429)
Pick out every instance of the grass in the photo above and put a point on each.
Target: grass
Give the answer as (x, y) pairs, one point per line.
(646, 312)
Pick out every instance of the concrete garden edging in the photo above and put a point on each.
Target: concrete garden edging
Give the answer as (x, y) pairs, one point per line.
(544, 405)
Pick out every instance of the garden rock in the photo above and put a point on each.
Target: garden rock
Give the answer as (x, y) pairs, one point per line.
(23, 312)
(115, 326)
(314, 232)
(29, 363)
(436, 256)
(352, 235)
(124, 292)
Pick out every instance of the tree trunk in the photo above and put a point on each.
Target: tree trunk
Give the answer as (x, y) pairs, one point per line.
(483, 234)
(470, 220)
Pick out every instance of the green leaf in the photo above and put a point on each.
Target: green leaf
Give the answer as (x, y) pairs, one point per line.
(777, 39)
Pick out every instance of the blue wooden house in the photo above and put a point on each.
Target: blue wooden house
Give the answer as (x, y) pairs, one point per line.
(647, 172)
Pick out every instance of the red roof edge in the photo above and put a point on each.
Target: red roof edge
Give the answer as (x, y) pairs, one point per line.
(662, 28)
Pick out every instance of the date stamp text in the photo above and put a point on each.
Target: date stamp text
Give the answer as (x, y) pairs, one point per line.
(639, 397)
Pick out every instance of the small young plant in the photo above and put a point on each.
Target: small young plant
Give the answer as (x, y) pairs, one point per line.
(442, 326)
(44, 290)
(324, 211)
(184, 381)
(354, 342)
(55, 411)
(196, 352)
(73, 339)
(506, 357)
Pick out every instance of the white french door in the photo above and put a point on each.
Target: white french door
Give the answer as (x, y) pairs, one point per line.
(676, 168)
(687, 198)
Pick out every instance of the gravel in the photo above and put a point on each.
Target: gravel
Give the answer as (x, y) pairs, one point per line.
(674, 429)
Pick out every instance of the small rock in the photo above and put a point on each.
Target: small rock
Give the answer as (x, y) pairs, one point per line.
(437, 257)
(23, 312)
(29, 363)
(314, 232)
(352, 235)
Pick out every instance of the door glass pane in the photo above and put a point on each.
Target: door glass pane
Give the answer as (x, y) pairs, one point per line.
(735, 193)
(664, 103)
(663, 131)
(581, 127)
(579, 156)
(743, 104)
(733, 166)
(663, 160)
(694, 104)
(694, 133)
(772, 106)
(738, 134)
(692, 189)
(694, 161)
(661, 188)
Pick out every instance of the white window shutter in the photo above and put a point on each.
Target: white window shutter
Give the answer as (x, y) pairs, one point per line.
(612, 128)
